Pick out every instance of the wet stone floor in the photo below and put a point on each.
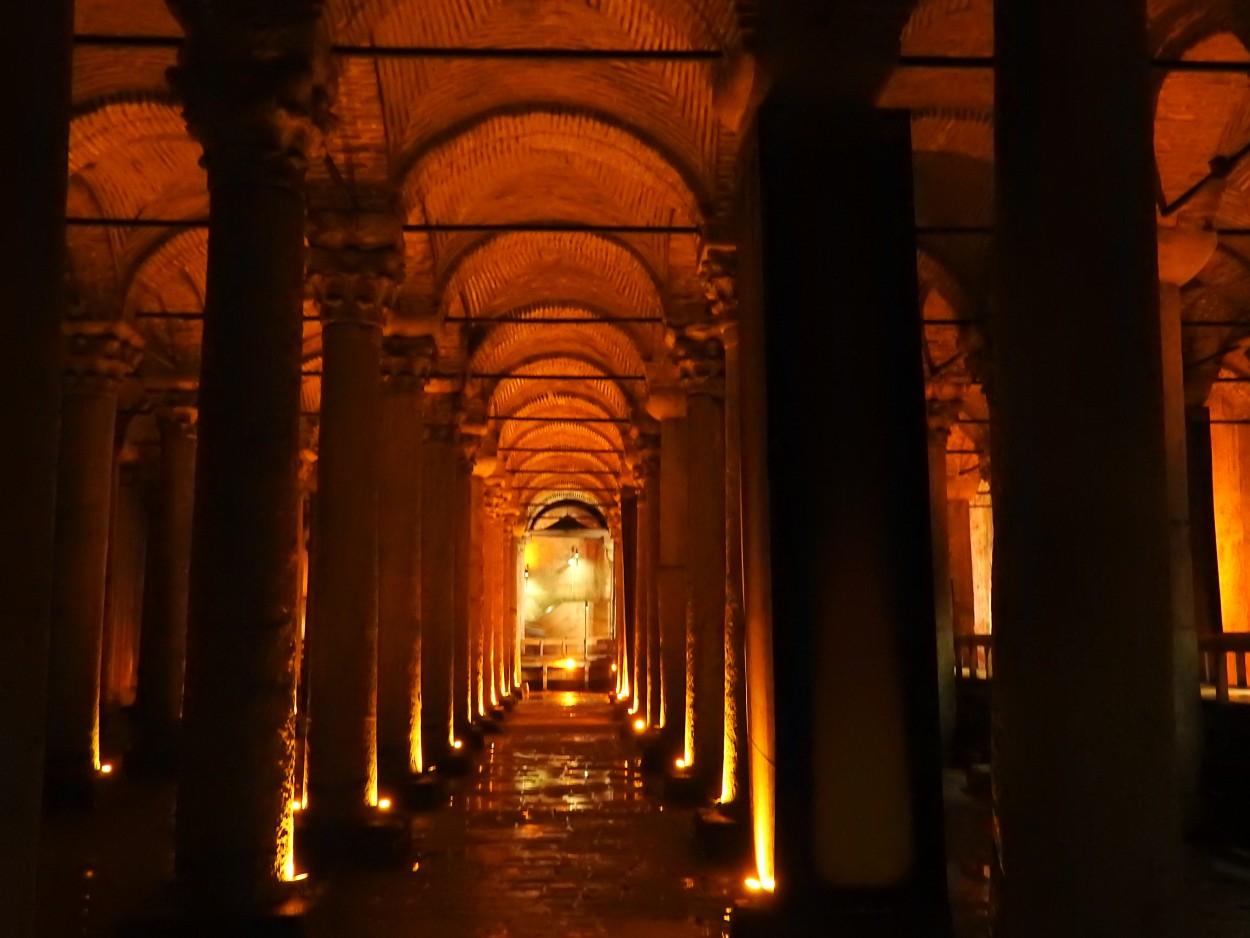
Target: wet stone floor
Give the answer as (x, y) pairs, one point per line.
(554, 834)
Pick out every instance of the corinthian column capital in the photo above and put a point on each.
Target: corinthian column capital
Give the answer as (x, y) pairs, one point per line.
(99, 355)
(255, 82)
(355, 264)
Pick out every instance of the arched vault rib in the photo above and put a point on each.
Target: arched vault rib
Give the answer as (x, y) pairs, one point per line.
(602, 271)
(546, 167)
(507, 394)
(643, 24)
(606, 346)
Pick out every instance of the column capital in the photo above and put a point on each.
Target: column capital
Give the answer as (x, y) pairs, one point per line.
(718, 271)
(941, 414)
(98, 355)
(175, 406)
(700, 363)
(407, 361)
(355, 264)
(255, 82)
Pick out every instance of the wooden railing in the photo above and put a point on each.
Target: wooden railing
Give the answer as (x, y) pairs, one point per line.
(540, 652)
(1225, 662)
(974, 657)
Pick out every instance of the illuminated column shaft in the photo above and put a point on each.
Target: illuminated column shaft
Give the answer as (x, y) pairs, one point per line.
(943, 598)
(1085, 750)
(963, 602)
(642, 658)
(859, 836)
(32, 201)
(232, 833)
(492, 597)
(735, 778)
(465, 686)
(629, 578)
(1202, 523)
(507, 618)
(406, 365)
(674, 472)
(655, 664)
(479, 646)
(343, 631)
(439, 514)
(127, 578)
(163, 648)
(702, 366)
(98, 356)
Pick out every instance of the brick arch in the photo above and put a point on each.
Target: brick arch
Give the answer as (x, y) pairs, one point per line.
(950, 27)
(505, 395)
(128, 158)
(640, 23)
(625, 178)
(1198, 116)
(603, 345)
(557, 432)
(609, 274)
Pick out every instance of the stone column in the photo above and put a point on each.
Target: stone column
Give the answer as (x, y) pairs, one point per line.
(439, 513)
(702, 367)
(629, 589)
(940, 413)
(479, 647)
(638, 647)
(97, 356)
(127, 575)
(668, 406)
(959, 530)
(1183, 253)
(36, 56)
(1202, 524)
(406, 365)
(858, 797)
(163, 647)
(233, 830)
(492, 598)
(1085, 746)
(355, 264)
(655, 650)
(464, 689)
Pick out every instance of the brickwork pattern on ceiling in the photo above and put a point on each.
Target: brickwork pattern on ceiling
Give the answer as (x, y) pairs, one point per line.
(608, 347)
(507, 394)
(507, 271)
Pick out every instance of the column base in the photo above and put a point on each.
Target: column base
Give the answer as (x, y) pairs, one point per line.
(723, 832)
(817, 919)
(419, 792)
(471, 735)
(281, 921)
(373, 839)
(455, 763)
(68, 786)
(682, 790)
(509, 702)
(656, 754)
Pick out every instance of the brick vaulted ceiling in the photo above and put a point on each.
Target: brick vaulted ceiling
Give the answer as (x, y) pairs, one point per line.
(607, 142)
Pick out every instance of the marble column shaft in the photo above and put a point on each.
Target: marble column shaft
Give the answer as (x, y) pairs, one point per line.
(399, 556)
(98, 355)
(943, 594)
(672, 573)
(343, 631)
(1085, 741)
(439, 514)
(859, 818)
(37, 58)
(163, 649)
(233, 842)
(705, 616)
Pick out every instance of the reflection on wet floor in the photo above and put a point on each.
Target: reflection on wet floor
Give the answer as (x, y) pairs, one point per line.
(555, 834)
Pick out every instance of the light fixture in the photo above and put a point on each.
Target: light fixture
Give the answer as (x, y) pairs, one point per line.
(756, 884)
(106, 768)
(297, 805)
(681, 763)
(527, 571)
(574, 556)
(640, 724)
(384, 804)
(457, 744)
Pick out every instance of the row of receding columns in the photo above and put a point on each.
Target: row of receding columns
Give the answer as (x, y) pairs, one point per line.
(1088, 456)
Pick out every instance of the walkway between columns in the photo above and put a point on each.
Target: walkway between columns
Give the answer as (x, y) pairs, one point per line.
(552, 835)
